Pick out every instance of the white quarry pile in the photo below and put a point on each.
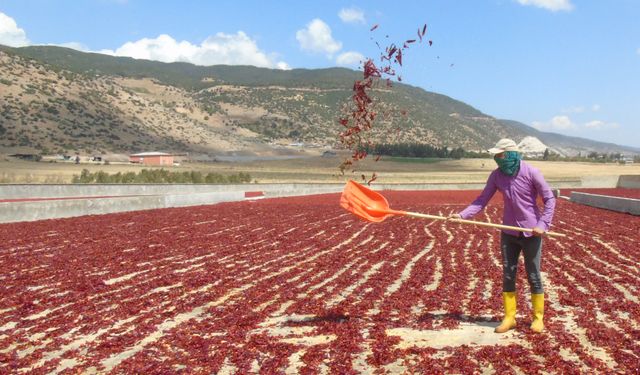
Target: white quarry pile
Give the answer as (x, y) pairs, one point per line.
(532, 145)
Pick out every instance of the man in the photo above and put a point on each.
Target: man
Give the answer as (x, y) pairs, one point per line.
(520, 185)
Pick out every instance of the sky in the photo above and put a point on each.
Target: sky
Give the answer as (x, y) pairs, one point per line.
(565, 66)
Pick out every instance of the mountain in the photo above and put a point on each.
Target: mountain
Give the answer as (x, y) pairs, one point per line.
(59, 100)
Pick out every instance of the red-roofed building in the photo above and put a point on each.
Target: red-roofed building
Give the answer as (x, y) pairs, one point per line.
(151, 158)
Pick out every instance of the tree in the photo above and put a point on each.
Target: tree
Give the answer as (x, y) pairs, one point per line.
(457, 153)
(546, 154)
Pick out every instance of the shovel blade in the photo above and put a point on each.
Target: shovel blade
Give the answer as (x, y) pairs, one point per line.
(365, 203)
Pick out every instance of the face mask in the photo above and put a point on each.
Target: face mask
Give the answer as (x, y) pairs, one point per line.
(510, 164)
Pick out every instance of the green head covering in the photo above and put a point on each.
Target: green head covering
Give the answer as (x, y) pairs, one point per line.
(510, 164)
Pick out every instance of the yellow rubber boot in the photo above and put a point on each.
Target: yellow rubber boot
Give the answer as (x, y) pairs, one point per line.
(509, 320)
(537, 302)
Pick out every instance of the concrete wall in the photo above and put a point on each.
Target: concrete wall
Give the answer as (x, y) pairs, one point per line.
(619, 204)
(17, 191)
(50, 209)
(599, 181)
(109, 198)
(20, 191)
(629, 181)
(270, 190)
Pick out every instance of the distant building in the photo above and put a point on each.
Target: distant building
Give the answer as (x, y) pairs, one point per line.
(151, 158)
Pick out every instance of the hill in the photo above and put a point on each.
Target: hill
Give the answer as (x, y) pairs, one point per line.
(55, 99)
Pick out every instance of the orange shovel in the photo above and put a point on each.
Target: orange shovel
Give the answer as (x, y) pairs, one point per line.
(371, 206)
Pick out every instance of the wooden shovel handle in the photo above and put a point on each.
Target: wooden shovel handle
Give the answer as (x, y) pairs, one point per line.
(481, 223)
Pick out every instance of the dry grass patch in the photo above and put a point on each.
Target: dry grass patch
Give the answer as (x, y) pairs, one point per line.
(316, 169)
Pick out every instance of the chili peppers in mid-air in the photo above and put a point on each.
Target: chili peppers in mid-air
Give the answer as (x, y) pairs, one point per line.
(361, 115)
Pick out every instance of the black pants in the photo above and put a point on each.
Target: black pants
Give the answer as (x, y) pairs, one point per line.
(532, 249)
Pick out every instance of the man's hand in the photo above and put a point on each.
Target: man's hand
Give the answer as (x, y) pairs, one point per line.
(538, 232)
(454, 216)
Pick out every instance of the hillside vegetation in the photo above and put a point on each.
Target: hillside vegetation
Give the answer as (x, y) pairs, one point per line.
(58, 100)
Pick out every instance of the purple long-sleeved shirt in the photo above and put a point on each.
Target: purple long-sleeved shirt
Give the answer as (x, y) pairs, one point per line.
(519, 193)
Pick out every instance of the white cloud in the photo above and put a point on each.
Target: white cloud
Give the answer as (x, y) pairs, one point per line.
(349, 58)
(10, 34)
(582, 109)
(561, 123)
(283, 65)
(552, 5)
(351, 15)
(229, 49)
(74, 45)
(595, 124)
(564, 124)
(601, 125)
(316, 37)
